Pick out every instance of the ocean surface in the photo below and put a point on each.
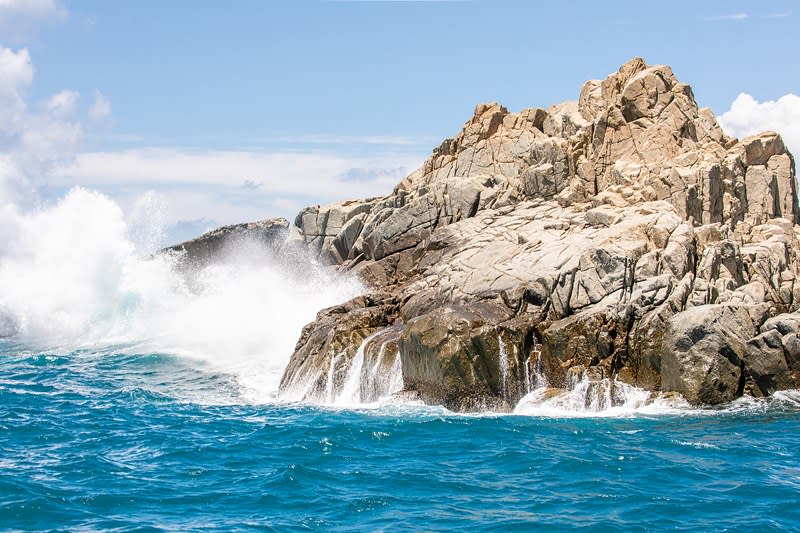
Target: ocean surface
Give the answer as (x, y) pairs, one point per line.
(148, 442)
(137, 395)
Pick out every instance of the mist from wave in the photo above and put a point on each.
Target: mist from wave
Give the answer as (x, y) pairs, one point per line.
(74, 277)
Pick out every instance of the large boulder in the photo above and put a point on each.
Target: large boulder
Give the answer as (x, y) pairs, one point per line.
(772, 358)
(704, 352)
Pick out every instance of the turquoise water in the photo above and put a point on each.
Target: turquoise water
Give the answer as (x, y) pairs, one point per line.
(157, 443)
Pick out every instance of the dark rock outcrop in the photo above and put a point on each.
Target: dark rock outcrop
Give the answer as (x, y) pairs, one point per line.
(213, 245)
(624, 234)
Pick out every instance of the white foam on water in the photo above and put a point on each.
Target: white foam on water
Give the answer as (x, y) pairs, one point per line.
(613, 398)
(784, 400)
(72, 277)
(600, 398)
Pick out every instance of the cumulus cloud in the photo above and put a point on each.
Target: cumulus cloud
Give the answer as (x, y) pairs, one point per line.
(748, 116)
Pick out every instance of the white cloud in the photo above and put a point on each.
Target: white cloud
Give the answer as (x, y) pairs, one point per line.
(33, 8)
(748, 116)
(16, 74)
(40, 159)
(18, 18)
(63, 103)
(16, 70)
(101, 108)
(31, 142)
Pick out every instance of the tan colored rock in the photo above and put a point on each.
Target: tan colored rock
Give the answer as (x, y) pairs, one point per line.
(623, 232)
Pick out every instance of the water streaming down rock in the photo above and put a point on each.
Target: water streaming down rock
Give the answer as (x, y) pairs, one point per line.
(330, 383)
(540, 380)
(376, 372)
(351, 390)
(585, 391)
(384, 378)
(373, 373)
(515, 374)
(503, 356)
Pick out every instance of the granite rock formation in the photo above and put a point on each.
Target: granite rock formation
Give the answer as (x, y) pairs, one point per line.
(621, 236)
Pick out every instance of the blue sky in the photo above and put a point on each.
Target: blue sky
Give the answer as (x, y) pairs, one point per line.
(229, 112)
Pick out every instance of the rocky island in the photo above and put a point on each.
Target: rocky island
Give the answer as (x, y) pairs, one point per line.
(622, 238)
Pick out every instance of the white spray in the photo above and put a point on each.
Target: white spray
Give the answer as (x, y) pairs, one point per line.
(71, 277)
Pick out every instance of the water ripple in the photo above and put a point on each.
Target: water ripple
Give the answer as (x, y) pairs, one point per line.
(148, 443)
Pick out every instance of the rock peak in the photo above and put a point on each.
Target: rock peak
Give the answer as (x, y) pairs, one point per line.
(636, 136)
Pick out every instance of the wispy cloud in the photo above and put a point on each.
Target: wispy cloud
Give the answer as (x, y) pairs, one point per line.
(399, 1)
(232, 186)
(388, 140)
(782, 15)
(730, 16)
(327, 175)
(202, 189)
(63, 103)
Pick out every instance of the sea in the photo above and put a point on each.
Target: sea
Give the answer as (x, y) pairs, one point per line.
(136, 395)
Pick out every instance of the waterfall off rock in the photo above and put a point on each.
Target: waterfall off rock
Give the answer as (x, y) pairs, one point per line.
(372, 375)
(503, 358)
(590, 392)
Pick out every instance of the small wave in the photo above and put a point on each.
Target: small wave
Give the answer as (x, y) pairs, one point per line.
(627, 401)
(699, 445)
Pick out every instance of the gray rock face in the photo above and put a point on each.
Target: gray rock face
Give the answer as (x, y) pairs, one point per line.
(623, 232)
(703, 353)
(773, 357)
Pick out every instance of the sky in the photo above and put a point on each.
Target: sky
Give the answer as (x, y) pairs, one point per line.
(206, 113)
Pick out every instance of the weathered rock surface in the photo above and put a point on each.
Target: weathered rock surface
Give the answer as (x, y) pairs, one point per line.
(624, 232)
